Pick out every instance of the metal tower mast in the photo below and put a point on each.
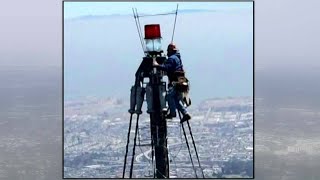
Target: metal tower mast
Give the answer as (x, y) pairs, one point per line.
(155, 92)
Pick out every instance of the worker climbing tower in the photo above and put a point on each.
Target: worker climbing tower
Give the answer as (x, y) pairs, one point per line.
(150, 86)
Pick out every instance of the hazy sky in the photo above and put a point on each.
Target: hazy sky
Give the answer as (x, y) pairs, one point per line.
(225, 57)
(76, 9)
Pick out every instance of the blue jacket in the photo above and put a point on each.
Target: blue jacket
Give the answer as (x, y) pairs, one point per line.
(172, 64)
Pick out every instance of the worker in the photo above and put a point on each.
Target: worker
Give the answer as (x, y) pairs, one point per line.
(173, 66)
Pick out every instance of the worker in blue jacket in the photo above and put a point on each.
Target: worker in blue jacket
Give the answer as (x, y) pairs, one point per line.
(173, 65)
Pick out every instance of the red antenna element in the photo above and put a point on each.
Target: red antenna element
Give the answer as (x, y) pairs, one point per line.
(152, 31)
(152, 37)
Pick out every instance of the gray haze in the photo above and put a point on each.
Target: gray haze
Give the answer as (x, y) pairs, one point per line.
(286, 40)
(287, 35)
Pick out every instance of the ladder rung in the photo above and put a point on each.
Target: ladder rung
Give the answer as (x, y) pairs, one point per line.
(144, 145)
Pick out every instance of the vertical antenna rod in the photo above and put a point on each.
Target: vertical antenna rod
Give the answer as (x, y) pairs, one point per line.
(144, 47)
(135, 19)
(174, 26)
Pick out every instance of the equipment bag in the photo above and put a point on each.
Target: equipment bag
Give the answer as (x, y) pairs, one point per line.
(182, 84)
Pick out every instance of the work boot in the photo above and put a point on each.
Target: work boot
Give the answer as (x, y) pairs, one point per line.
(169, 116)
(186, 117)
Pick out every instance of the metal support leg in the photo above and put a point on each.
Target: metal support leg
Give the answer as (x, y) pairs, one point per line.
(195, 148)
(184, 132)
(134, 146)
(128, 140)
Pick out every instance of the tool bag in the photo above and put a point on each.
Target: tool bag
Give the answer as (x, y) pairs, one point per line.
(182, 85)
(180, 82)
